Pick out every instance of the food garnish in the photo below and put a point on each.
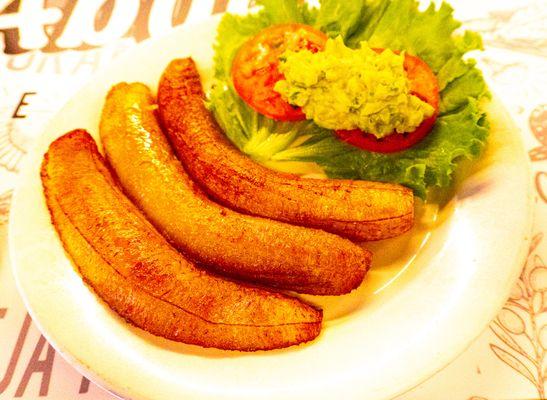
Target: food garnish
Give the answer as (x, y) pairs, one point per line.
(145, 280)
(241, 246)
(358, 210)
(255, 71)
(424, 85)
(343, 88)
(424, 158)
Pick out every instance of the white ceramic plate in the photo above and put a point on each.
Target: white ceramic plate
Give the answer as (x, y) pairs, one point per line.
(429, 295)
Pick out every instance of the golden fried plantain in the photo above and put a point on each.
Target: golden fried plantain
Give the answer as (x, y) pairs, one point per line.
(259, 250)
(358, 210)
(139, 275)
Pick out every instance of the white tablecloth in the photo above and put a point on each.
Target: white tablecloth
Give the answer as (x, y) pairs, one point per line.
(506, 362)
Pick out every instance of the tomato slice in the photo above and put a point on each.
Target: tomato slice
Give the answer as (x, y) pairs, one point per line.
(255, 70)
(423, 84)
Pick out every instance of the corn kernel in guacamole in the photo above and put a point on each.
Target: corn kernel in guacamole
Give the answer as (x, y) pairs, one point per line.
(343, 88)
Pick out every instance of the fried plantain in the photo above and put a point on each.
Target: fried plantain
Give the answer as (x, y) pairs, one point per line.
(256, 249)
(140, 276)
(358, 210)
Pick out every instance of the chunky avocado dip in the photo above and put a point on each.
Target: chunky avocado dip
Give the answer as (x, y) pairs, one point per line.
(343, 89)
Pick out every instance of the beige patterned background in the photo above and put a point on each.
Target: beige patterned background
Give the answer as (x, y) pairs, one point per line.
(508, 361)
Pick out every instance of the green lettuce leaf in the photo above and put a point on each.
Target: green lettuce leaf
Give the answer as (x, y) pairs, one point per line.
(461, 129)
(282, 12)
(260, 137)
(456, 93)
(337, 17)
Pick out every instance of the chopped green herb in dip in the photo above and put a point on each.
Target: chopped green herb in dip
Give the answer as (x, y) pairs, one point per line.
(342, 88)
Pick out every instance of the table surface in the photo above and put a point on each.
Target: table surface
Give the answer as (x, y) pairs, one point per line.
(39, 71)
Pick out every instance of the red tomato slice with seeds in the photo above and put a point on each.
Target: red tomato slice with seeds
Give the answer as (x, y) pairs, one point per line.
(255, 69)
(423, 84)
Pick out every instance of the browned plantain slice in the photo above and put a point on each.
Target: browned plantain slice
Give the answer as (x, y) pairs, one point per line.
(357, 210)
(291, 257)
(139, 275)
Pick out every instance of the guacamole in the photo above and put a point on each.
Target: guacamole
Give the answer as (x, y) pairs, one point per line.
(343, 89)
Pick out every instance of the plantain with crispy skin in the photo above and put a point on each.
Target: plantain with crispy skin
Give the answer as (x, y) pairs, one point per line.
(358, 210)
(140, 276)
(259, 250)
